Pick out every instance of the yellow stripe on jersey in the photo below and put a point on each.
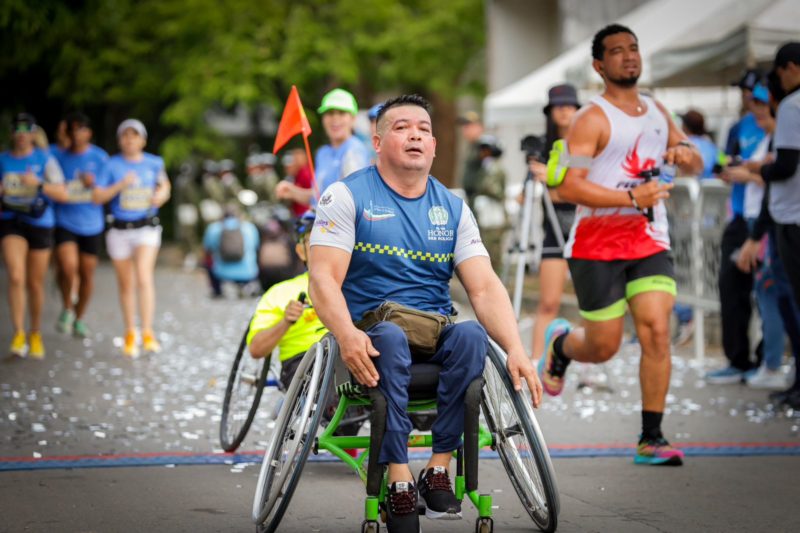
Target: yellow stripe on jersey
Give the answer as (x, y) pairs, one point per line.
(410, 254)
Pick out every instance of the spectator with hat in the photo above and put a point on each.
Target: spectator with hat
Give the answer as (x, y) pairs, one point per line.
(735, 286)
(344, 154)
(562, 104)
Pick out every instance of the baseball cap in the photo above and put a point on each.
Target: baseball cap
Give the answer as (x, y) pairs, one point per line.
(470, 117)
(132, 124)
(23, 123)
(564, 94)
(372, 114)
(760, 94)
(788, 53)
(748, 80)
(79, 119)
(338, 99)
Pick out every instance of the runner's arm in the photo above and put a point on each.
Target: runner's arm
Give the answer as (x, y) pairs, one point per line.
(583, 139)
(53, 186)
(163, 190)
(267, 339)
(680, 151)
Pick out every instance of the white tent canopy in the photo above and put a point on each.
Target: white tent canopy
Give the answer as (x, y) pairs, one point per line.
(683, 43)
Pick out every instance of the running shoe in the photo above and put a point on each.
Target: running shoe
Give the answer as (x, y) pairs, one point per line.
(37, 346)
(435, 488)
(65, 321)
(551, 367)
(657, 452)
(401, 508)
(725, 376)
(149, 343)
(80, 329)
(130, 349)
(19, 345)
(764, 378)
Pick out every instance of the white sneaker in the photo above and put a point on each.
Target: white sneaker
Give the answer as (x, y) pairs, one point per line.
(684, 334)
(764, 378)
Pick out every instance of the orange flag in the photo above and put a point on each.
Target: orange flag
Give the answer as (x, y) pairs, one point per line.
(293, 121)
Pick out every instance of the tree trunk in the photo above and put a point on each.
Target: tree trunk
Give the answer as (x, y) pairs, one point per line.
(444, 129)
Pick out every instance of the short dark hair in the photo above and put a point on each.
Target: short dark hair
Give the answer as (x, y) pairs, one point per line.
(402, 100)
(612, 29)
(79, 118)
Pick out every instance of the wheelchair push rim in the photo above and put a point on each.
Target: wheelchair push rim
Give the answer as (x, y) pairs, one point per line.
(293, 437)
(242, 396)
(519, 442)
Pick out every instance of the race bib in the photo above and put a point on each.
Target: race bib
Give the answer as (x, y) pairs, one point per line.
(78, 193)
(136, 199)
(15, 192)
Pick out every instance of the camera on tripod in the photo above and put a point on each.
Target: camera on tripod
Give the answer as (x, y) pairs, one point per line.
(534, 148)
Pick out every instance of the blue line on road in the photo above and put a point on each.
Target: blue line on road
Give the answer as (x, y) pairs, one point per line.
(111, 461)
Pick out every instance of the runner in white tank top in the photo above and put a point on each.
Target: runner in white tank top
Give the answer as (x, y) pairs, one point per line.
(635, 144)
(617, 258)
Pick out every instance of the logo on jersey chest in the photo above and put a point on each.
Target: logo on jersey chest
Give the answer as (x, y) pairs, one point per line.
(439, 216)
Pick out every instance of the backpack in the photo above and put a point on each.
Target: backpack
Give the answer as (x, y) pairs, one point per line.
(231, 245)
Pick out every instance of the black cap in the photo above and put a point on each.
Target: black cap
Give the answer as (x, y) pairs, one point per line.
(748, 80)
(788, 53)
(564, 94)
(23, 122)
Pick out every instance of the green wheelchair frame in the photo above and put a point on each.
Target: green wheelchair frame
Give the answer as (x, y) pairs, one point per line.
(509, 428)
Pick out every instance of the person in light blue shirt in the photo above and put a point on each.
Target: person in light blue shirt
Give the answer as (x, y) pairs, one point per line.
(244, 268)
(31, 180)
(136, 185)
(79, 224)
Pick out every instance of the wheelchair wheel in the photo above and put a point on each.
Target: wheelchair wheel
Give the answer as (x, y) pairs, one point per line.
(242, 396)
(295, 432)
(519, 443)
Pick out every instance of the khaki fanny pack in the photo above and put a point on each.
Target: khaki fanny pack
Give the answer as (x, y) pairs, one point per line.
(421, 328)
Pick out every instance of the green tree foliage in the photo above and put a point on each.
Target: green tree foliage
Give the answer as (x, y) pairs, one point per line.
(170, 61)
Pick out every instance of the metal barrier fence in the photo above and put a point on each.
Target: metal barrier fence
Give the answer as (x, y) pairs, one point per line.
(697, 213)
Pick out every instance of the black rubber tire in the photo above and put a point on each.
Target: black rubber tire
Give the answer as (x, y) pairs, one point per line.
(268, 516)
(541, 501)
(235, 421)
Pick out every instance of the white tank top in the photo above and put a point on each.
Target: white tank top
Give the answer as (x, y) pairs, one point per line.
(635, 144)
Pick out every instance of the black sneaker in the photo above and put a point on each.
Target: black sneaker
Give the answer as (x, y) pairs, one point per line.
(435, 488)
(401, 508)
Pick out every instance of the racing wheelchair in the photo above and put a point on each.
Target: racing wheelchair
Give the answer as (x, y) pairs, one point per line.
(508, 426)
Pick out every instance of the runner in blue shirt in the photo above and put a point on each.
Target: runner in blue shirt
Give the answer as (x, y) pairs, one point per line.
(31, 179)
(79, 224)
(136, 185)
(393, 232)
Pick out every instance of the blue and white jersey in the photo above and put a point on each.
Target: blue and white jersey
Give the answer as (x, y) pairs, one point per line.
(79, 215)
(743, 139)
(403, 249)
(136, 201)
(334, 164)
(45, 168)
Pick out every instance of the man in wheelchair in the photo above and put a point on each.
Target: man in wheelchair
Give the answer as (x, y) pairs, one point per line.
(393, 233)
(284, 316)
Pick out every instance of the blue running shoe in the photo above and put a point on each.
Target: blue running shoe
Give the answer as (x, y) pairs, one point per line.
(551, 368)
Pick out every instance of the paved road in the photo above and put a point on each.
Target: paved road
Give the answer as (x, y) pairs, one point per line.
(86, 399)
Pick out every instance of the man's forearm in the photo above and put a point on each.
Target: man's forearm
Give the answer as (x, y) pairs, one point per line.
(330, 305)
(494, 312)
(265, 341)
(576, 190)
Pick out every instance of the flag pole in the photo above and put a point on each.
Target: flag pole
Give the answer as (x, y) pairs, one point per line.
(311, 166)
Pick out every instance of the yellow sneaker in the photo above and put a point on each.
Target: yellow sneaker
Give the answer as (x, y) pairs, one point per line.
(19, 345)
(130, 349)
(149, 343)
(37, 346)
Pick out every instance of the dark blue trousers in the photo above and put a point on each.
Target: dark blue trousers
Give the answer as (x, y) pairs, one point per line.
(461, 353)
